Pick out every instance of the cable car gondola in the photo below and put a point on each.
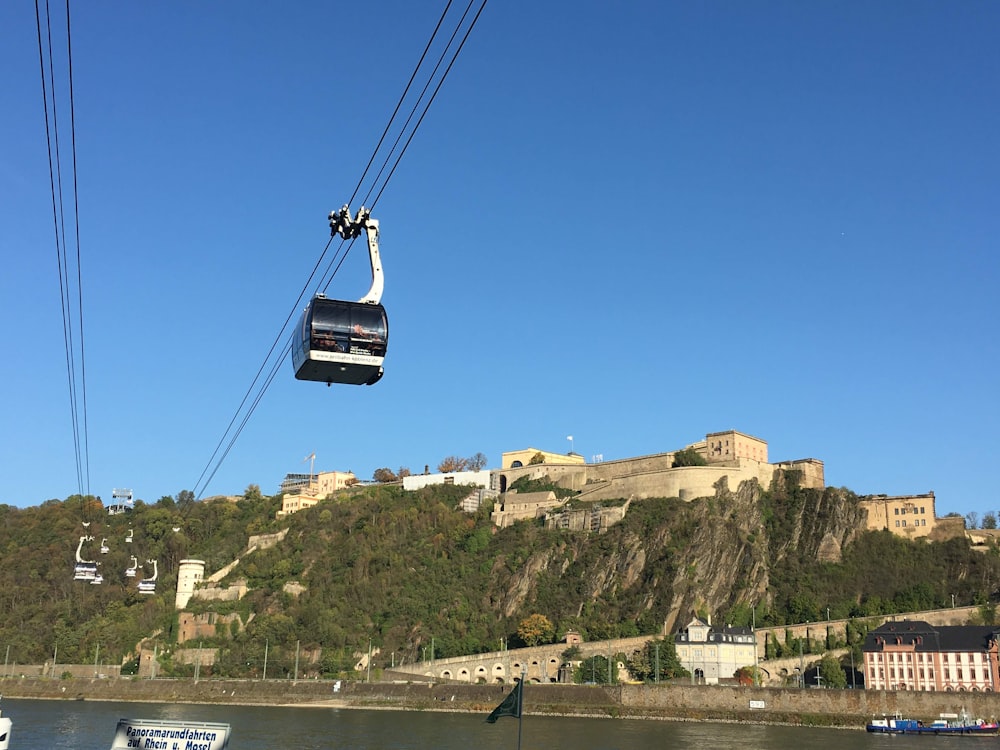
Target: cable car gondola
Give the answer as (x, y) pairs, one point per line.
(338, 341)
(148, 585)
(84, 570)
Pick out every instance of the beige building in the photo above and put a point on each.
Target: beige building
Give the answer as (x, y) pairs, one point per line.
(518, 506)
(731, 445)
(711, 654)
(305, 490)
(517, 459)
(910, 516)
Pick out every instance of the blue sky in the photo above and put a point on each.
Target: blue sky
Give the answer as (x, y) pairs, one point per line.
(629, 223)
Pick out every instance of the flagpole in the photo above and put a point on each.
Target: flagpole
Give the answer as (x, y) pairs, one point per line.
(520, 708)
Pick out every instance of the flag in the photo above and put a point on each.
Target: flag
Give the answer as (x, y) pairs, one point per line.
(511, 705)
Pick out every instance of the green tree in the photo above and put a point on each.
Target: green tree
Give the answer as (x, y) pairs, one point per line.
(595, 669)
(572, 653)
(535, 629)
(689, 457)
(384, 475)
(659, 652)
(538, 458)
(832, 672)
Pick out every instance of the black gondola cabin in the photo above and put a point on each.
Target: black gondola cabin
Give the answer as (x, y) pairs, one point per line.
(341, 342)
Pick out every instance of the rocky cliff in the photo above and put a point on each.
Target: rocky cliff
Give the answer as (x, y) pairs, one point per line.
(674, 558)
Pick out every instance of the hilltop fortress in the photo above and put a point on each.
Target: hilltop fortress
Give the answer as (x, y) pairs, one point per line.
(731, 457)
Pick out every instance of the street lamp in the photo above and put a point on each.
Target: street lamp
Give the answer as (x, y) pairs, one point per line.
(953, 601)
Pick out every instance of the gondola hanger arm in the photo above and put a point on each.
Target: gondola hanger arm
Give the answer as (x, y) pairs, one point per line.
(342, 224)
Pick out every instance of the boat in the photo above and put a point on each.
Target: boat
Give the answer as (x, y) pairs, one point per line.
(947, 724)
(5, 725)
(169, 733)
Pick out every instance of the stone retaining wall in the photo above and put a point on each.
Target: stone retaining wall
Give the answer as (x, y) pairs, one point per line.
(710, 703)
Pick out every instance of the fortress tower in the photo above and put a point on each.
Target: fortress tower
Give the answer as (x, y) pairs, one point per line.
(189, 574)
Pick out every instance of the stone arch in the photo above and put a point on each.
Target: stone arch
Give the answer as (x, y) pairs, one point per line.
(503, 482)
(463, 675)
(480, 675)
(445, 674)
(552, 669)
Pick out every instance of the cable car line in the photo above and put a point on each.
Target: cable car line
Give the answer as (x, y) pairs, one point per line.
(76, 228)
(335, 263)
(402, 98)
(78, 400)
(430, 101)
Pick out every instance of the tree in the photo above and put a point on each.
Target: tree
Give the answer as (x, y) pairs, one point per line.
(185, 498)
(384, 475)
(535, 629)
(832, 672)
(989, 520)
(659, 652)
(594, 669)
(971, 520)
(403, 472)
(538, 458)
(452, 463)
(477, 462)
(572, 653)
(689, 457)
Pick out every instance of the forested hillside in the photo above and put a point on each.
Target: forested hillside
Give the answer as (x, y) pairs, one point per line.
(410, 571)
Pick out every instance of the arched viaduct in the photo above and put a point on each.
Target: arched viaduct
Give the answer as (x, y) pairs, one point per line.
(546, 663)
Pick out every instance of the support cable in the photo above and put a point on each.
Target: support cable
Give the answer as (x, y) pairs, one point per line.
(81, 453)
(338, 258)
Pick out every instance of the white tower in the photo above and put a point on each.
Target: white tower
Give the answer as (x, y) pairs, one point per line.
(189, 573)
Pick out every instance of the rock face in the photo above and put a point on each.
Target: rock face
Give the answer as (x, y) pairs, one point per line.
(708, 555)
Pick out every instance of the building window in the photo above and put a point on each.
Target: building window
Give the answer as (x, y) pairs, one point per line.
(896, 510)
(897, 523)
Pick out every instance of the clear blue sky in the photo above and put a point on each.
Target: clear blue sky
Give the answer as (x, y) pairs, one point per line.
(632, 223)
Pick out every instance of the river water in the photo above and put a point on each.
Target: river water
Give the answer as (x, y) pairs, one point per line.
(90, 725)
